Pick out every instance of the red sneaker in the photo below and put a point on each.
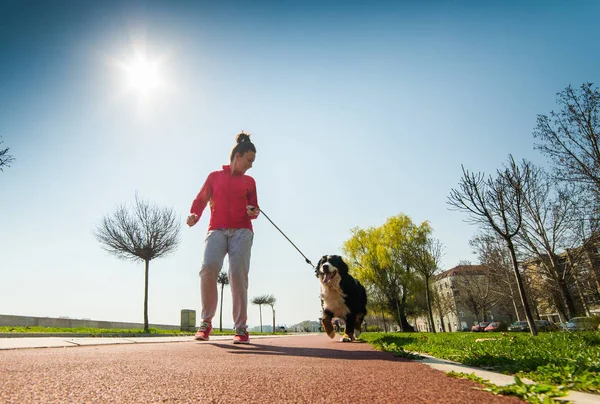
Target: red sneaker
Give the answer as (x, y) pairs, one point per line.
(203, 331)
(241, 336)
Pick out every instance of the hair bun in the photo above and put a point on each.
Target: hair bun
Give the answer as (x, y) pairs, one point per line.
(242, 137)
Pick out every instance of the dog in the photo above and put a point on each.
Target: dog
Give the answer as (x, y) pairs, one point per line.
(342, 296)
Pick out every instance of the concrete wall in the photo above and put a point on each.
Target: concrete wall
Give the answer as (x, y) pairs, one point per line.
(25, 321)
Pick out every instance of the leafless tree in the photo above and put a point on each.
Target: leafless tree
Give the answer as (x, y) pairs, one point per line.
(426, 261)
(571, 136)
(492, 252)
(550, 228)
(141, 232)
(5, 159)
(496, 203)
(443, 304)
(477, 293)
(222, 280)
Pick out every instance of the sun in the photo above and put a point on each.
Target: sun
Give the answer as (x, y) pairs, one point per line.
(143, 75)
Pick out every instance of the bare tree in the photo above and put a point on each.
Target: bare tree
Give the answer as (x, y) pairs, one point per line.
(476, 292)
(496, 204)
(443, 304)
(492, 252)
(550, 228)
(5, 159)
(260, 300)
(426, 261)
(571, 136)
(222, 280)
(142, 232)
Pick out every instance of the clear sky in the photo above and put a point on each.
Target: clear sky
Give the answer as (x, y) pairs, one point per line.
(359, 111)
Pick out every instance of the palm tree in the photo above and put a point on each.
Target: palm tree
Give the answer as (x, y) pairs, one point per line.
(260, 300)
(222, 280)
(271, 302)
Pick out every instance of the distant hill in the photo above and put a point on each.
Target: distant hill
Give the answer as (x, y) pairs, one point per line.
(304, 326)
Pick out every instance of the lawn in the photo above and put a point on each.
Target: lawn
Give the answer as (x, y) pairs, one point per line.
(106, 332)
(567, 360)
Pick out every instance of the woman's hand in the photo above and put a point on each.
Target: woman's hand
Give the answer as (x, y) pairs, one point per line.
(192, 219)
(252, 210)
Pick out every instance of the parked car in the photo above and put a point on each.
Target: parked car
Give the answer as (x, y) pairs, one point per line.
(496, 326)
(519, 326)
(480, 326)
(545, 325)
(581, 324)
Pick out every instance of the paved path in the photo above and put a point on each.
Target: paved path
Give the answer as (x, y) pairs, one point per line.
(290, 369)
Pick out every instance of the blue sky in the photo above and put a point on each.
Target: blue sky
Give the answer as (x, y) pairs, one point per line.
(359, 111)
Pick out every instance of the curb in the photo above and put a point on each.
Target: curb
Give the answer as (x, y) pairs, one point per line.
(499, 379)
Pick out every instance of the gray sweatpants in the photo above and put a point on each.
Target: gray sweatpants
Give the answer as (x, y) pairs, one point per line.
(237, 243)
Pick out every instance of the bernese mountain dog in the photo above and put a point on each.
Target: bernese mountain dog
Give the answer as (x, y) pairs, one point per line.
(342, 296)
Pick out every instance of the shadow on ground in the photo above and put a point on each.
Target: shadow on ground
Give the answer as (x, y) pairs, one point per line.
(256, 348)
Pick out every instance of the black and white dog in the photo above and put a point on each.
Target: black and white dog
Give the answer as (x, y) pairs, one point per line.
(342, 296)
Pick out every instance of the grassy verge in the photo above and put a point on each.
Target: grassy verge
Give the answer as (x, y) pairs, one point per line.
(107, 331)
(87, 331)
(567, 361)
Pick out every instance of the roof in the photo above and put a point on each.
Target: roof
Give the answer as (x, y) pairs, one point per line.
(464, 270)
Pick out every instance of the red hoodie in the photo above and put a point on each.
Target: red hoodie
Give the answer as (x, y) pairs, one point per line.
(228, 195)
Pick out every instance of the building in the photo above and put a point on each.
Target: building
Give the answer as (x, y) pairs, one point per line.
(467, 295)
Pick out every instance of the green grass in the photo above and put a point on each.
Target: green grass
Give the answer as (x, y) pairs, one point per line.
(107, 331)
(86, 330)
(564, 360)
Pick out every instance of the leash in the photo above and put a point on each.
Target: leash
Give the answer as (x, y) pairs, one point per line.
(306, 259)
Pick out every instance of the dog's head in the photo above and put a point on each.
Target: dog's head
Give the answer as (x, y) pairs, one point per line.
(330, 267)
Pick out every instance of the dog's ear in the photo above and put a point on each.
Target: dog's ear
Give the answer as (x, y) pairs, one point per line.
(343, 265)
(340, 264)
(321, 261)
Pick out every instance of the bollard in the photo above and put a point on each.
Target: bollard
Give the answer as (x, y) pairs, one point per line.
(188, 320)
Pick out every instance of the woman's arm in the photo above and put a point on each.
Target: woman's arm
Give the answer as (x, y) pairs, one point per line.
(201, 201)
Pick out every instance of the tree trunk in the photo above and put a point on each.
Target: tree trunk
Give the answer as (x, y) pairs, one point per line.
(400, 316)
(146, 273)
(524, 301)
(221, 309)
(581, 296)
(567, 297)
(428, 300)
(383, 319)
(260, 312)
(273, 309)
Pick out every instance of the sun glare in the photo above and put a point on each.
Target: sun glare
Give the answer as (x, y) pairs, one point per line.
(143, 75)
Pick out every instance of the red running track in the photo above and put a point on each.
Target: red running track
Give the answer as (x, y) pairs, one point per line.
(291, 369)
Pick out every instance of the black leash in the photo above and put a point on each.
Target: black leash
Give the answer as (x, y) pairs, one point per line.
(306, 259)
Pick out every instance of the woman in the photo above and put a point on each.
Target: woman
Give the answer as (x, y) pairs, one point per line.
(233, 204)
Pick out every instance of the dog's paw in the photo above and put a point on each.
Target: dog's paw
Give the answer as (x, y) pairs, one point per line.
(346, 338)
(331, 334)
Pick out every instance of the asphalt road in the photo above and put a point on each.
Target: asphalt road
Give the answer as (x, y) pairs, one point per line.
(294, 369)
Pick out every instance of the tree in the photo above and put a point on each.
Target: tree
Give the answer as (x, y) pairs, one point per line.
(492, 252)
(496, 203)
(222, 280)
(143, 232)
(5, 159)
(260, 300)
(476, 291)
(427, 258)
(383, 257)
(551, 227)
(271, 302)
(571, 136)
(443, 304)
